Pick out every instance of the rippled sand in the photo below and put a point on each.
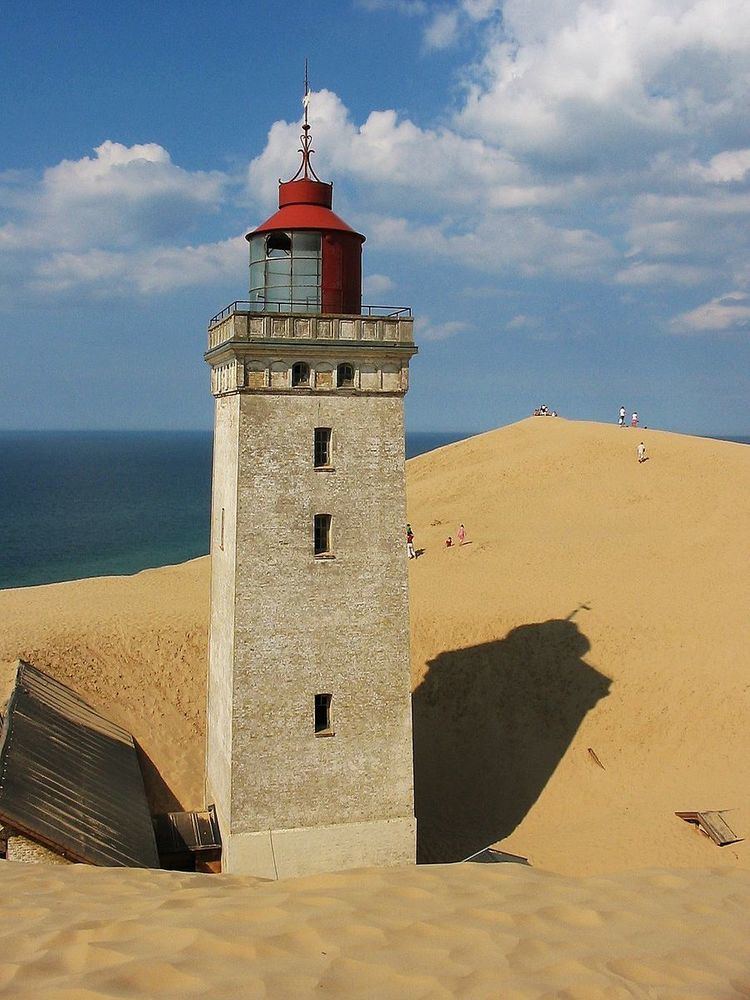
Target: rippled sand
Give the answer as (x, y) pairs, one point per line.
(462, 931)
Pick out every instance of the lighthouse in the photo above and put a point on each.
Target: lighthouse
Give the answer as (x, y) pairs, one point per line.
(309, 737)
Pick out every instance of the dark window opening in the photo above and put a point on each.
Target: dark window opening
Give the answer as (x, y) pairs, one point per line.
(279, 245)
(323, 713)
(322, 449)
(345, 376)
(322, 534)
(300, 373)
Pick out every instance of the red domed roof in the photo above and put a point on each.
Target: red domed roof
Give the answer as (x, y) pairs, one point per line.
(305, 204)
(305, 201)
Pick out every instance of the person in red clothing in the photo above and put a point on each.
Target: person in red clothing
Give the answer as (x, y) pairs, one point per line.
(410, 543)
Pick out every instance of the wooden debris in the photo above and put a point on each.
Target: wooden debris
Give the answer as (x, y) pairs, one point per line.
(492, 856)
(713, 825)
(595, 759)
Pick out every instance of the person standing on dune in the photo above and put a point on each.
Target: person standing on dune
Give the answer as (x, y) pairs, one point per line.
(410, 543)
(641, 452)
(621, 421)
(461, 534)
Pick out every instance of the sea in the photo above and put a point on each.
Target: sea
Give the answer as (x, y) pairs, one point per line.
(107, 503)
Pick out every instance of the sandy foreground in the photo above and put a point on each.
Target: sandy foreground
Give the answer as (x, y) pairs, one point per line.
(468, 930)
(580, 673)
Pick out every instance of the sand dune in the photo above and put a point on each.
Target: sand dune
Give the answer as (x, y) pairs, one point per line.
(469, 930)
(135, 647)
(651, 671)
(600, 605)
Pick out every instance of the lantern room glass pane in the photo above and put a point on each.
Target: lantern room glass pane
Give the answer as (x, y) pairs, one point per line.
(257, 247)
(257, 278)
(278, 271)
(305, 266)
(285, 271)
(306, 243)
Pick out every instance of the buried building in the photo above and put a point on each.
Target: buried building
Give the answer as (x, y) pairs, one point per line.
(71, 787)
(309, 745)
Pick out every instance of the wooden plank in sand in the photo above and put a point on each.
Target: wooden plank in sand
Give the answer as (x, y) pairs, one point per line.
(712, 823)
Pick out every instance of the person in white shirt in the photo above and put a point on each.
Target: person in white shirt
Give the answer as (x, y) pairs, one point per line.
(641, 452)
(621, 421)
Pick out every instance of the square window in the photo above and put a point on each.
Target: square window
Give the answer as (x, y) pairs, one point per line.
(322, 447)
(323, 713)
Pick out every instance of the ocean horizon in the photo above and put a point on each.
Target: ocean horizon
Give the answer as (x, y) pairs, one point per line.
(78, 504)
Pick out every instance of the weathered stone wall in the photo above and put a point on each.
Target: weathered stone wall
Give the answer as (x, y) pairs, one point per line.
(221, 639)
(21, 848)
(306, 625)
(286, 625)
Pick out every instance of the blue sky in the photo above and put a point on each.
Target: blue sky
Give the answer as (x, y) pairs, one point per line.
(559, 189)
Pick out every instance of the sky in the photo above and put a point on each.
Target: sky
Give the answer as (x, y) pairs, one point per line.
(559, 189)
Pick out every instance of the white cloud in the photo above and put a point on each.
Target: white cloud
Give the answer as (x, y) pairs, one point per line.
(688, 238)
(121, 196)
(642, 273)
(602, 81)
(148, 271)
(523, 322)
(442, 30)
(408, 7)
(481, 10)
(725, 314)
(514, 243)
(425, 329)
(378, 284)
(426, 167)
(110, 222)
(730, 166)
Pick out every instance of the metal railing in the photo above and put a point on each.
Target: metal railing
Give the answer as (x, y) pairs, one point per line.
(304, 306)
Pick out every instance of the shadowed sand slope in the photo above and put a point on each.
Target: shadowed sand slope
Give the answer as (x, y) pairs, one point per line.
(134, 647)
(471, 931)
(601, 604)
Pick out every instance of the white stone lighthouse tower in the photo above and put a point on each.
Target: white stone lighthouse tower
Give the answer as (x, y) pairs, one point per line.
(309, 752)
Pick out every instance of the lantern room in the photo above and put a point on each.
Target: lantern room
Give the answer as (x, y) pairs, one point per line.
(305, 258)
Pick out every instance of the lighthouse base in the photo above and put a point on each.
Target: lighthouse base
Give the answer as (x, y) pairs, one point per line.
(275, 854)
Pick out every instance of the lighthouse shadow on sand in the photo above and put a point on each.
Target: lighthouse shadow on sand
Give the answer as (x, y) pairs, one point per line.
(491, 723)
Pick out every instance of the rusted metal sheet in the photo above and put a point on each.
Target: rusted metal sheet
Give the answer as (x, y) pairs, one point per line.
(70, 778)
(187, 832)
(713, 825)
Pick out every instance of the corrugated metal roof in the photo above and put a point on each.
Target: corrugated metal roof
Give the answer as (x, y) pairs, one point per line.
(70, 778)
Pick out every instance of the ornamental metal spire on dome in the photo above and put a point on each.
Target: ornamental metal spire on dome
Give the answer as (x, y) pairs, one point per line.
(306, 168)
